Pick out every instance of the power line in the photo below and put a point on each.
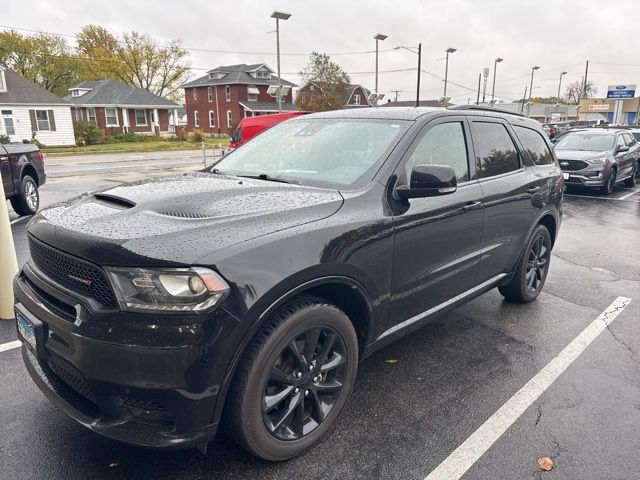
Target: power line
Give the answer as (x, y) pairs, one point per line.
(205, 50)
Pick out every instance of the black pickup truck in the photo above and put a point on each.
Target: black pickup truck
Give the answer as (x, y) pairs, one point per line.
(22, 167)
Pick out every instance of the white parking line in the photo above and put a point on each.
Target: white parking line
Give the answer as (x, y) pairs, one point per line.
(19, 219)
(468, 453)
(629, 195)
(10, 345)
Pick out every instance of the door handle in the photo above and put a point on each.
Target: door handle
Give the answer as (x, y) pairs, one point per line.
(533, 189)
(472, 205)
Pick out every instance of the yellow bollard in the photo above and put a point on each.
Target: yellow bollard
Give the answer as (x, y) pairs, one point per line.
(8, 261)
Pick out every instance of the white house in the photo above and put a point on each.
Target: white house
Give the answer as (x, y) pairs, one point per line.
(27, 108)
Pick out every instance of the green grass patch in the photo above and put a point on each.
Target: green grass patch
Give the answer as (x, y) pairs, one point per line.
(147, 146)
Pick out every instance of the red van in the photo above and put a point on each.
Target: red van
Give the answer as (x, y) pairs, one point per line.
(249, 127)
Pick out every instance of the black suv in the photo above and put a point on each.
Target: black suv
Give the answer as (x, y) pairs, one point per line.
(22, 167)
(248, 293)
(598, 158)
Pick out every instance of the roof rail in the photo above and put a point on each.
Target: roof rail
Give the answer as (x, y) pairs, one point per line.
(485, 108)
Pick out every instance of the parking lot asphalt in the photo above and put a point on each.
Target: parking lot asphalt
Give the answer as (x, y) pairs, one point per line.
(419, 399)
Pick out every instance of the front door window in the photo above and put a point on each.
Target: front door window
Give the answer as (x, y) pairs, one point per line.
(7, 119)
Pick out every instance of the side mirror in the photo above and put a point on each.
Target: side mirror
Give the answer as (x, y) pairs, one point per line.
(622, 148)
(429, 181)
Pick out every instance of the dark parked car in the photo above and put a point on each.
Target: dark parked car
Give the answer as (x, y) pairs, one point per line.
(249, 292)
(22, 167)
(598, 158)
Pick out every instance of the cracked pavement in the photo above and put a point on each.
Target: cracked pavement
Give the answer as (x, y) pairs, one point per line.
(404, 418)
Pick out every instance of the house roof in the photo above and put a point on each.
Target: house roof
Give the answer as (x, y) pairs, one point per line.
(268, 106)
(237, 74)
(23, 91)
(110, 92)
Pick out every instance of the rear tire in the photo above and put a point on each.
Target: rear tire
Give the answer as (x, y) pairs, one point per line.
(631, 181)
(294, 380)
(531, 271)
(28, 199)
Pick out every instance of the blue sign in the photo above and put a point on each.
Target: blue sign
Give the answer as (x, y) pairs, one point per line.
(621, 91)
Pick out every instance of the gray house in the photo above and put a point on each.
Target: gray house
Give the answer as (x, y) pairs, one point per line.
(119, 108)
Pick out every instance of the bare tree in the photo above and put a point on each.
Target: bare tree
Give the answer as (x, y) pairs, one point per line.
(576, 90)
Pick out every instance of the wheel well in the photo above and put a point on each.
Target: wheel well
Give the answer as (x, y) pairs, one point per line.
(29, 170)
(549, 222)
(351, 301)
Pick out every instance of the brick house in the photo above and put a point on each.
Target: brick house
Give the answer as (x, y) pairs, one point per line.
(120, 108)
(217, 101)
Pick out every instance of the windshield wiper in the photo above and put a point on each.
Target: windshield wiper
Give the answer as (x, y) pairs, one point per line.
(264, 176)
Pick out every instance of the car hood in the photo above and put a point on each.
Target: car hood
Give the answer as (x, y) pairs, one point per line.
(585, 155)
(177, 219)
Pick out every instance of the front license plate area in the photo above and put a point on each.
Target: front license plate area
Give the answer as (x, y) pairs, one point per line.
(31, 331)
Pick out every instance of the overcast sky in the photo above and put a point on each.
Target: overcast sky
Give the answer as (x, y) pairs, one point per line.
(557, 35)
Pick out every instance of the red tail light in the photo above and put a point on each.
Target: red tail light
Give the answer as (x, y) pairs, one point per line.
(41, 158)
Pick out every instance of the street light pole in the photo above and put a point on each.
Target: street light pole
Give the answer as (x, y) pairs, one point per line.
(419, 53)
(560, 84)
(446, 69)
(378, 37)
(279, 16)
(495, 69)
(533, 70)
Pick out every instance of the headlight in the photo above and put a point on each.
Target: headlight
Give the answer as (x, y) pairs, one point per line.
(167, 289)
(604, 160)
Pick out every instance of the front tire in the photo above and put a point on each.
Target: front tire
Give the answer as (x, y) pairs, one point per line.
(28, 199)
(531, 271)
(607, 188)
(294, 380)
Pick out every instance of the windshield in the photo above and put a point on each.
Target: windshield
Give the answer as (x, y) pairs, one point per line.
(318, 152)
(586, 141)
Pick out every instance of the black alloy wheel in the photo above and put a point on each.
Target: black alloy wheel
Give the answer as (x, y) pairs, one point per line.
(304, 383)
(537, 264)
(611, 182)
(530, 273)
(294, 380)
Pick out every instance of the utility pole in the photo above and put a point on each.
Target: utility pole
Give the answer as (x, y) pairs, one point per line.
(378, 37)
(485, 74)
(446, 69)
(396, 94)
(524, 97)
(560, 84)
(586, 74)
(279, 16)
(479, 80)
(418, 87)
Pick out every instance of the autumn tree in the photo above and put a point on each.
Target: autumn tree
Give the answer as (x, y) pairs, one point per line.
(576, 90)
(45, 59)
(135, 59)
(325, 85)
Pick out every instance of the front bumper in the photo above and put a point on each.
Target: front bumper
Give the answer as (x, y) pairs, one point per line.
(593, 176)
(129, 377)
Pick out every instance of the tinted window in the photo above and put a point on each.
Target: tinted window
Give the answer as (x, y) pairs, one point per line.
(629, 139)
(495, 151)
(535, 145)
(443, 144)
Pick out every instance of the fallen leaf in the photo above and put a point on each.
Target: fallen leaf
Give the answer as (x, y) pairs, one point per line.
(545, 463)
(392, 361)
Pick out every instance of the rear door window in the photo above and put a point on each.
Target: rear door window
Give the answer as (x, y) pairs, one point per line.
(496, 153)
(534, 145)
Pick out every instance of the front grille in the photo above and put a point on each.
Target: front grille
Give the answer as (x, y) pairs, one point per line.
(573, 165)
(72, 273)
(141, 404)
(72, 380)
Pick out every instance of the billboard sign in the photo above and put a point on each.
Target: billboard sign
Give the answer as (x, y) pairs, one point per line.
(621, 91)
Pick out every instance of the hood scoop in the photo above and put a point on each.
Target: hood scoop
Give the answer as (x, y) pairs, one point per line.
(192, 215)
(114, 201)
